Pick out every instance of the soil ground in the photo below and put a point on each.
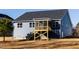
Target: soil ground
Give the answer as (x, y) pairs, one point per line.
(71, 43)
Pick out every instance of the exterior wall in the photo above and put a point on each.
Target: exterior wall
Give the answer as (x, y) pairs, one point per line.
(21, 33)
(66, 26)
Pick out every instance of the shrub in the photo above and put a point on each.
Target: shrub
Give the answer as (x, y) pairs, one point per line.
(30, 36)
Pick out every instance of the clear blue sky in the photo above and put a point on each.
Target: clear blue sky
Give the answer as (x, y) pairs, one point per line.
(14, 13)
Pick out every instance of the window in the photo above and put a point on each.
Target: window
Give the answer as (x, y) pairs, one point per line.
(19, 25)
(57, 31)
(32, 24)
(56, 25)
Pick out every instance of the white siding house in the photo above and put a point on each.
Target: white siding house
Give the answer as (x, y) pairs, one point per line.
(21, 32)
(59, 21)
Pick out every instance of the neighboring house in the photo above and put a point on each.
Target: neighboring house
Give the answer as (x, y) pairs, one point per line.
(9, 33)
(76, 31)
(44, 24)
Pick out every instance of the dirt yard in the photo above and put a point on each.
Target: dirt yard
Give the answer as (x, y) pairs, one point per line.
(6, 38)
(40, 44)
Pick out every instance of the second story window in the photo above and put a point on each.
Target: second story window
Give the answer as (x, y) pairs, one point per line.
(31, 24)
(19, 25)
(56, 25)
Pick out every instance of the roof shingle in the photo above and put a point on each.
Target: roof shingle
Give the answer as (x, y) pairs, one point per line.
(55, 14)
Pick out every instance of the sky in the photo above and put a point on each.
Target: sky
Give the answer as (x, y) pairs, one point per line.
(14, 13)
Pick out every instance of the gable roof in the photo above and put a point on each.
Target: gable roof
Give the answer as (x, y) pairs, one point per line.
(55, 14)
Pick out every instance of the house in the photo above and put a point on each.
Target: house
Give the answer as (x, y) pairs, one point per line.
(44, 24)
(76, 31)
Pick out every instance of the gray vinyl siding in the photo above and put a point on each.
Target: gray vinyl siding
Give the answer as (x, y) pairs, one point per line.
(66, 26)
